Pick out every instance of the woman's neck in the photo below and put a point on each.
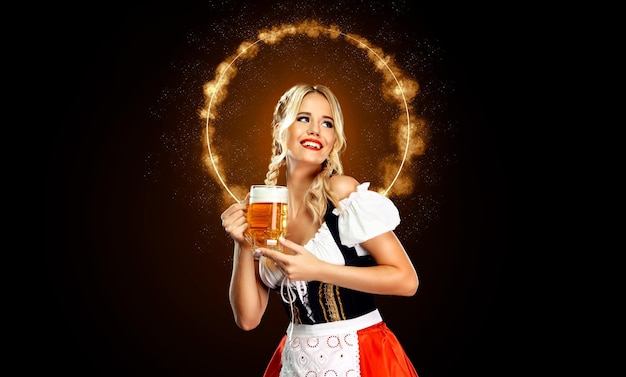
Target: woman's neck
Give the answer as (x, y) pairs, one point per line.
(298, 181)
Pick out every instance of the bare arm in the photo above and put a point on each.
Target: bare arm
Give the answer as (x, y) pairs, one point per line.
(248, 296)
(394, 273)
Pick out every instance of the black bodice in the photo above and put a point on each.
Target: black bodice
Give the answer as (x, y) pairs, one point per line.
(330, 303)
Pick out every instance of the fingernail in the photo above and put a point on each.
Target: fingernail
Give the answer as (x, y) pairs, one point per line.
(281, 238)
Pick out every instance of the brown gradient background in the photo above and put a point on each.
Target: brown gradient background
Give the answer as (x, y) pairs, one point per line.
(137, 269)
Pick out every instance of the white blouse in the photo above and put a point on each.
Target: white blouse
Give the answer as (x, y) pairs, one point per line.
(365, 214)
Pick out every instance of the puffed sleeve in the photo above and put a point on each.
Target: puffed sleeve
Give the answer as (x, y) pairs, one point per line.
(366, 214)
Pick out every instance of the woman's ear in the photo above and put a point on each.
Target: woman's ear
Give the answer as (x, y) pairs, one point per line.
(275, 132)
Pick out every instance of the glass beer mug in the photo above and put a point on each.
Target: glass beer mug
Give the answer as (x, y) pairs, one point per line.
(267, 216)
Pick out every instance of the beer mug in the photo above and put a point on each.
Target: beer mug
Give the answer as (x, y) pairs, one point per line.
(267, 216)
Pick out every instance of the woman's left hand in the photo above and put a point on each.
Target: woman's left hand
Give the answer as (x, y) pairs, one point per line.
(296, 262)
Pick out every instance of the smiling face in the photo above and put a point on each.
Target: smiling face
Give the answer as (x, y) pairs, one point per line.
(312, 136)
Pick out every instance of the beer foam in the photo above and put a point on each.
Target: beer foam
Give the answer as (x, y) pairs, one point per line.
(269, 194)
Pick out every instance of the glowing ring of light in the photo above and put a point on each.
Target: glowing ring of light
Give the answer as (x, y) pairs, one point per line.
(406, 107)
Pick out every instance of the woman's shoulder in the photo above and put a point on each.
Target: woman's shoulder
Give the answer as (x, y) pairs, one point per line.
(342, 186)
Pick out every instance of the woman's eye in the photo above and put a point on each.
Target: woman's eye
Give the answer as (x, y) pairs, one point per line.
(303, 119)
(328, 124)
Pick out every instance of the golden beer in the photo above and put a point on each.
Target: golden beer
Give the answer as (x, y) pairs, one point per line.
(267, 215)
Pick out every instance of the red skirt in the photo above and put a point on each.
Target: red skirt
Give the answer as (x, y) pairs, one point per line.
(381, 354)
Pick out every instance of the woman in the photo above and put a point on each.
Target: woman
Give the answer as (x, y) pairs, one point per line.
(339, 252)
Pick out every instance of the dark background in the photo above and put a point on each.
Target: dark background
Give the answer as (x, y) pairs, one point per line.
(135, 278)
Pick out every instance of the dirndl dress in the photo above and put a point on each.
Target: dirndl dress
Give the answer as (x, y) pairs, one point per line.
(335, 331)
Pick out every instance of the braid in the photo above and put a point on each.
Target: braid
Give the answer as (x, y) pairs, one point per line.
(276, 162)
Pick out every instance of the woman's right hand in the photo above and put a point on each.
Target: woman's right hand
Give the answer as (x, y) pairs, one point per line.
(234, 220)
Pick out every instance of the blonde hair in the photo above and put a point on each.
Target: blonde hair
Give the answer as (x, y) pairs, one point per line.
(284, 116)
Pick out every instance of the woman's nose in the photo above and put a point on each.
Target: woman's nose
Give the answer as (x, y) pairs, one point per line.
(313, 129)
